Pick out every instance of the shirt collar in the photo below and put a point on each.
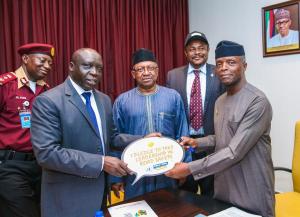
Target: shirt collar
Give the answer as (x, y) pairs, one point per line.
(140, 93)
(202, 69)
(78, 89)
(23, 79)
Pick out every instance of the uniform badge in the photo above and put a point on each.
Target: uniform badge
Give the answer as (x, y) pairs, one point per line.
(23, 80)
(26, 103)
(5, 78)
(25, 117)
(52, 51)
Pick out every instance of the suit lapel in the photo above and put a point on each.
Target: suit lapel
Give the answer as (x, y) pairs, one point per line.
(101, 110)
(75, 99)
(183, 89)
(209, 83)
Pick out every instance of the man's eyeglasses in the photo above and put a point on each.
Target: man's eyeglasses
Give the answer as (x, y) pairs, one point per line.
(142, 69)
(284, 22)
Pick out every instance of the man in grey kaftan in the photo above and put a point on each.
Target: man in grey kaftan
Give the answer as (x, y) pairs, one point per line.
(242, 162)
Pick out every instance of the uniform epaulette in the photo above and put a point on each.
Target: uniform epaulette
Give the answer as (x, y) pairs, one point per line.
(6, 77)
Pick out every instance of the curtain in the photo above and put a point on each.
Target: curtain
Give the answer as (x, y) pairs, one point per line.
(115, 28)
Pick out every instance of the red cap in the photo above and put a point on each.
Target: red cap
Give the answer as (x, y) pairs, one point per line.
(31, 48)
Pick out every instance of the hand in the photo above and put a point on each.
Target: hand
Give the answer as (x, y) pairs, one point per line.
(187, 142)
(181, 181)
(115, 166)
(179, 171)
(155, 134)
(117, 187)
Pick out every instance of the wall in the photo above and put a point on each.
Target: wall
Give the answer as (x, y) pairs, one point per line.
(278, 77)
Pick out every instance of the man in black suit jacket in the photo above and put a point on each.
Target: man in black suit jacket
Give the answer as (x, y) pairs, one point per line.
(181, 79)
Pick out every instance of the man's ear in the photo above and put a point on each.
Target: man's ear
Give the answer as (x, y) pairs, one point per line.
(25, 58)
(245, 66)
(71, 66)
(185, 53)
(133, 74)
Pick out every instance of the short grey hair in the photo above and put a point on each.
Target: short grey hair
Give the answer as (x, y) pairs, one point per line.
(243, 58)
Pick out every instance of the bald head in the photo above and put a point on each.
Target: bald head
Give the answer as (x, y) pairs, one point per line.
(86, 67)
(84, 52)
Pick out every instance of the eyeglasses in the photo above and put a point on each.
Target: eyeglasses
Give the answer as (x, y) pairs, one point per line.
(142, 69)
(284, 22)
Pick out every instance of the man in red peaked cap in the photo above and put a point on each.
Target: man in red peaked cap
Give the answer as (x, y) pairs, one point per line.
(19, 173)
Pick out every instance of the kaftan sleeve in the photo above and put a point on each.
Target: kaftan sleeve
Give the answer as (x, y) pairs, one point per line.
(206, 143)
(254, 124)
(181, 124)
(122, 139)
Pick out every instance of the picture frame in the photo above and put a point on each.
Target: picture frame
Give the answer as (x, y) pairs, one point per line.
(280, 28)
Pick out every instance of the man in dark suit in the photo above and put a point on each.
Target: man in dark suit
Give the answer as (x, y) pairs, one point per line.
(71, 129)
(201, 94)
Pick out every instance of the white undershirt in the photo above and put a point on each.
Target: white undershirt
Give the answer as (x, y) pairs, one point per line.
(32, 85)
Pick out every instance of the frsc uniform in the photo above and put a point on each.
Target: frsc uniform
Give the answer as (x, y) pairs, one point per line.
(19, 172)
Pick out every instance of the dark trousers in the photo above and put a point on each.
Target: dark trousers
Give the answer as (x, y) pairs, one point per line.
(206, 184)
(19, 188)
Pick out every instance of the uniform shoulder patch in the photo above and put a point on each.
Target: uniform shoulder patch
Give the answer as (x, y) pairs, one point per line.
(6, 77)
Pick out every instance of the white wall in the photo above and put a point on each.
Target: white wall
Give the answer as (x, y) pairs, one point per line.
(278, 77)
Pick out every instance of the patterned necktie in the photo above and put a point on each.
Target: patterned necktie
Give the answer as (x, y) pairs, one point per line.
(196, 113)
(88, 105)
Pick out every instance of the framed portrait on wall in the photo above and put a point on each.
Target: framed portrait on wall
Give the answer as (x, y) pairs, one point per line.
(280, 30)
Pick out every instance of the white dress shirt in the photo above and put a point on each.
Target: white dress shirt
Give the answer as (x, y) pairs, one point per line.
(79, 90)
(189, 84)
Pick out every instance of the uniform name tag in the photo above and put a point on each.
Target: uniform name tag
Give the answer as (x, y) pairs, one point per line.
(25, 117)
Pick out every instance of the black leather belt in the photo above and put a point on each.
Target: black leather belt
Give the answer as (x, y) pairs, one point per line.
(16, 155)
